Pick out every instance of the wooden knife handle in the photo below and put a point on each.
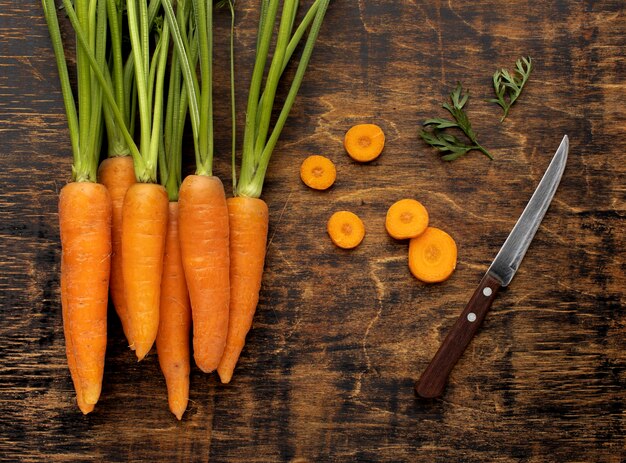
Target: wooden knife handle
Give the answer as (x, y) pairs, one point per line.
(433, 381)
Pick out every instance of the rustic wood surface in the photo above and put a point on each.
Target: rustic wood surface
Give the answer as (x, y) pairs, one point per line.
(340, 336)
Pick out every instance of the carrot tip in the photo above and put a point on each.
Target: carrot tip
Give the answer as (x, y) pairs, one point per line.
(179, 411)
(225, 376)
(86, 408)
(141, 351)
(91, 395)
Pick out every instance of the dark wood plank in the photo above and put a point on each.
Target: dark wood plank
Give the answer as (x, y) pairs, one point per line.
(340, 337)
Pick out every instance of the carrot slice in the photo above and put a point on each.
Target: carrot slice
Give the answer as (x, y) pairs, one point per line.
(346, 229)
(432, 255)
(364, 142)
(406, 218)
(318, 172)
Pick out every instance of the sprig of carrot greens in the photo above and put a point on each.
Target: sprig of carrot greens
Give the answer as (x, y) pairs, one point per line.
(508, 86)
(446, 142)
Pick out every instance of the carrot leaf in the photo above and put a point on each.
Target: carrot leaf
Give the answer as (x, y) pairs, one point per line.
(450, 146)
(508, 86)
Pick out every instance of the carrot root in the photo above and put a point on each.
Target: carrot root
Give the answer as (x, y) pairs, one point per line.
(174, 321)
(117, 174)
(248, 220)
(204, 235)
(144, 225)
(85, 228)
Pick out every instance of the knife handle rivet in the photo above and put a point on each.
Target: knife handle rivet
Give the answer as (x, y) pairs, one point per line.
(487, 291)
(471, 317)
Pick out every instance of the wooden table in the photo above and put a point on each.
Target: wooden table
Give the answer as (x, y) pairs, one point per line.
(340, 336)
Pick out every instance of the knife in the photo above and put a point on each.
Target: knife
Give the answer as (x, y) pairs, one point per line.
(433, 381)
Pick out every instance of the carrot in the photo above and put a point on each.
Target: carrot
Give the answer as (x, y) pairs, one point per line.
(248, 218)
(364, 142)
(117, 174)
(174, 321)
(85, 228)
(248, 214)
(175, 310)
(145, 208)
(203, 228)
(432, 255)
(406, 218)
(345, 229)
(144, 225)
(203, 214)
(84, 205)
(318, 172)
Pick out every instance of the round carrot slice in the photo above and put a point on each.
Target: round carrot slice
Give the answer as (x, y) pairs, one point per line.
(318, 172)
(346, 229)
(364, 142)
(406, 218)
(432, 255)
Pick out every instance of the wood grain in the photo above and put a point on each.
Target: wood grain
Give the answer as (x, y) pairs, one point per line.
(340, 336)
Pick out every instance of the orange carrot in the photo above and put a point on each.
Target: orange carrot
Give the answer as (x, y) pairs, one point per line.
(174, 320)
(432, 255)
(406, 218)
(364, 142)
(144, 225)
(345, 229)
(318, 172)
(117, 174)
(203, 228)
(248, 219)
(85, 227)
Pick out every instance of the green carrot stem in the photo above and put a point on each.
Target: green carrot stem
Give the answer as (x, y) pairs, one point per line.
(82, 44)
(49, 8)
(255, 186)
(247, 160)
(273, 75)
(233, 108)
(189, 76)
(161, 58)
(83, 90)
(204, 20)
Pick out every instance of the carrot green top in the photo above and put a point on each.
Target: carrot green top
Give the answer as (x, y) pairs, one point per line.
(89, 20)
(170, 152)
(91, 24)
(193, 38)
(259, 142)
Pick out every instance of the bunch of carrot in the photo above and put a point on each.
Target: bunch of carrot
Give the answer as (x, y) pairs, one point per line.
(173, 254)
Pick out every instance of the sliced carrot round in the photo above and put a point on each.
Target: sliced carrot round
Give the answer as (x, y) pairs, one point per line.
(406, 218)
(346, 229)
(364, 142)
(432, 255)
(318, 172)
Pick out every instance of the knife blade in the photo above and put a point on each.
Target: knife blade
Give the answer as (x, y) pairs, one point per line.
(500, 273)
